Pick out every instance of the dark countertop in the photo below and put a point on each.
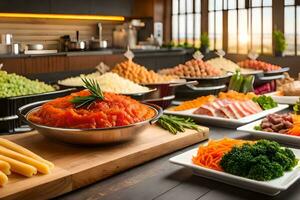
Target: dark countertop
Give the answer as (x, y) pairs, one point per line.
(159, 179)
(108, 51)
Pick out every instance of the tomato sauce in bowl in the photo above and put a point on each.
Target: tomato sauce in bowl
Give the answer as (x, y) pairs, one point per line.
(113, 111)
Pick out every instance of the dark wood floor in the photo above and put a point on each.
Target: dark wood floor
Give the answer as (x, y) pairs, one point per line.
(161, 180)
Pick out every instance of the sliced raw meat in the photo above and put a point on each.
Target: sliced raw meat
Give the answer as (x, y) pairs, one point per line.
(205, 110)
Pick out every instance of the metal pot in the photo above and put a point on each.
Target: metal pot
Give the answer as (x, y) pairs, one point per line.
(165, 92)
(97, 45)
(165, 89)
(77, 45)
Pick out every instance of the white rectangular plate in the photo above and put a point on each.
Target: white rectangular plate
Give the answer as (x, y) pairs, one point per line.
(291, 100)
(272, 187)
(225, 122)
(283, 138)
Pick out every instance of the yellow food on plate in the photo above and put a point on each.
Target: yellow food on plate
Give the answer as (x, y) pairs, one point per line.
(3, 178)
(194, 103)
(18, 148)
(19, 167)
(41, 167)
(5, 167)
(140, 74)
(236, 95)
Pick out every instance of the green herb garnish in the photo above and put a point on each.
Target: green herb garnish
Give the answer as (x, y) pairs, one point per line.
(258, 128)
(296, 107)
(266, 102)
(176, 124)
(96, 94)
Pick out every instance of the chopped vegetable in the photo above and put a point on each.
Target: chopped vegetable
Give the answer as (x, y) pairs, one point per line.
(266, 102)
(296, 107)
(236, 81)
(241, 83)
(195, 103)
(259, 160)
(247, 85)
(12, 85)
(295, 130)
(263, 160)
(236, 95)
(176, 124)
(210, 155)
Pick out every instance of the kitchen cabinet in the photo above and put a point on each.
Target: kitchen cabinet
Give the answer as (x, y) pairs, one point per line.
(70, 6)
(112, 7)
(25, 6)
(100, 7)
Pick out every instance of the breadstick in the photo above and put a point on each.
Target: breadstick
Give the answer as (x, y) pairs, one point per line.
(41, 167)
(19, 167)
(5, 167)
(3, 178)
(15, 147)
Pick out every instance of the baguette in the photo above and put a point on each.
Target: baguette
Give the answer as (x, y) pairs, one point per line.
(19, 167)
(41, 167)
(5, 167)
(17, 148)
(3, 178)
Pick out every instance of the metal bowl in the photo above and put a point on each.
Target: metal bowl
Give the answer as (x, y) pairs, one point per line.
(88, 136)
(211, 81)
(277, 72)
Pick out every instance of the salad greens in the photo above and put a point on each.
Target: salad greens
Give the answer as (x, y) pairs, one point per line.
(266, 102)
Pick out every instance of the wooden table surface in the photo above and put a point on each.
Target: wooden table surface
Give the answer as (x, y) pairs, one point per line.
(159, 179)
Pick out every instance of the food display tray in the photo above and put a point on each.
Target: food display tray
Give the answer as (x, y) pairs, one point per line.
(210, 81)
(279, 137)
(78, 166)
(8, 118)
(291, 100)
(271, 188)
(277, 72)
(225, 122)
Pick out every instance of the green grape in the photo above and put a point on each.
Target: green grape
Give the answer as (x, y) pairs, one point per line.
(15, 85)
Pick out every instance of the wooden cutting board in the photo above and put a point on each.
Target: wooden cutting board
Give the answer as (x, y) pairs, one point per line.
(78, 166)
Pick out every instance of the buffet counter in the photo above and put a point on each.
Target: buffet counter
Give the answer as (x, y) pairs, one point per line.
(160, 179)
(108, 51)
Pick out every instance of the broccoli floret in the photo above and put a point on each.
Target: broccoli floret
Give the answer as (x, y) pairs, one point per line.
(266, 147)
(264, 160)
(260, 169)
(237, 161)
(283, 160)
(277, 170)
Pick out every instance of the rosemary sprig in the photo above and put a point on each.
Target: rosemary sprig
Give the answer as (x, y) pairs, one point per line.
(96, 93)
(176, 124)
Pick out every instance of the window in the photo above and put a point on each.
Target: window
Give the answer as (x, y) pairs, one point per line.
(186, 21)
(215, 24)
(292, 27)
(247, 24)
(238, 29)
(249, 29)
(261, 26)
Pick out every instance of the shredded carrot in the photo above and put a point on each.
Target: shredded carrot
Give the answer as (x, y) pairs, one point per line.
(209, 156)
(195, 103)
